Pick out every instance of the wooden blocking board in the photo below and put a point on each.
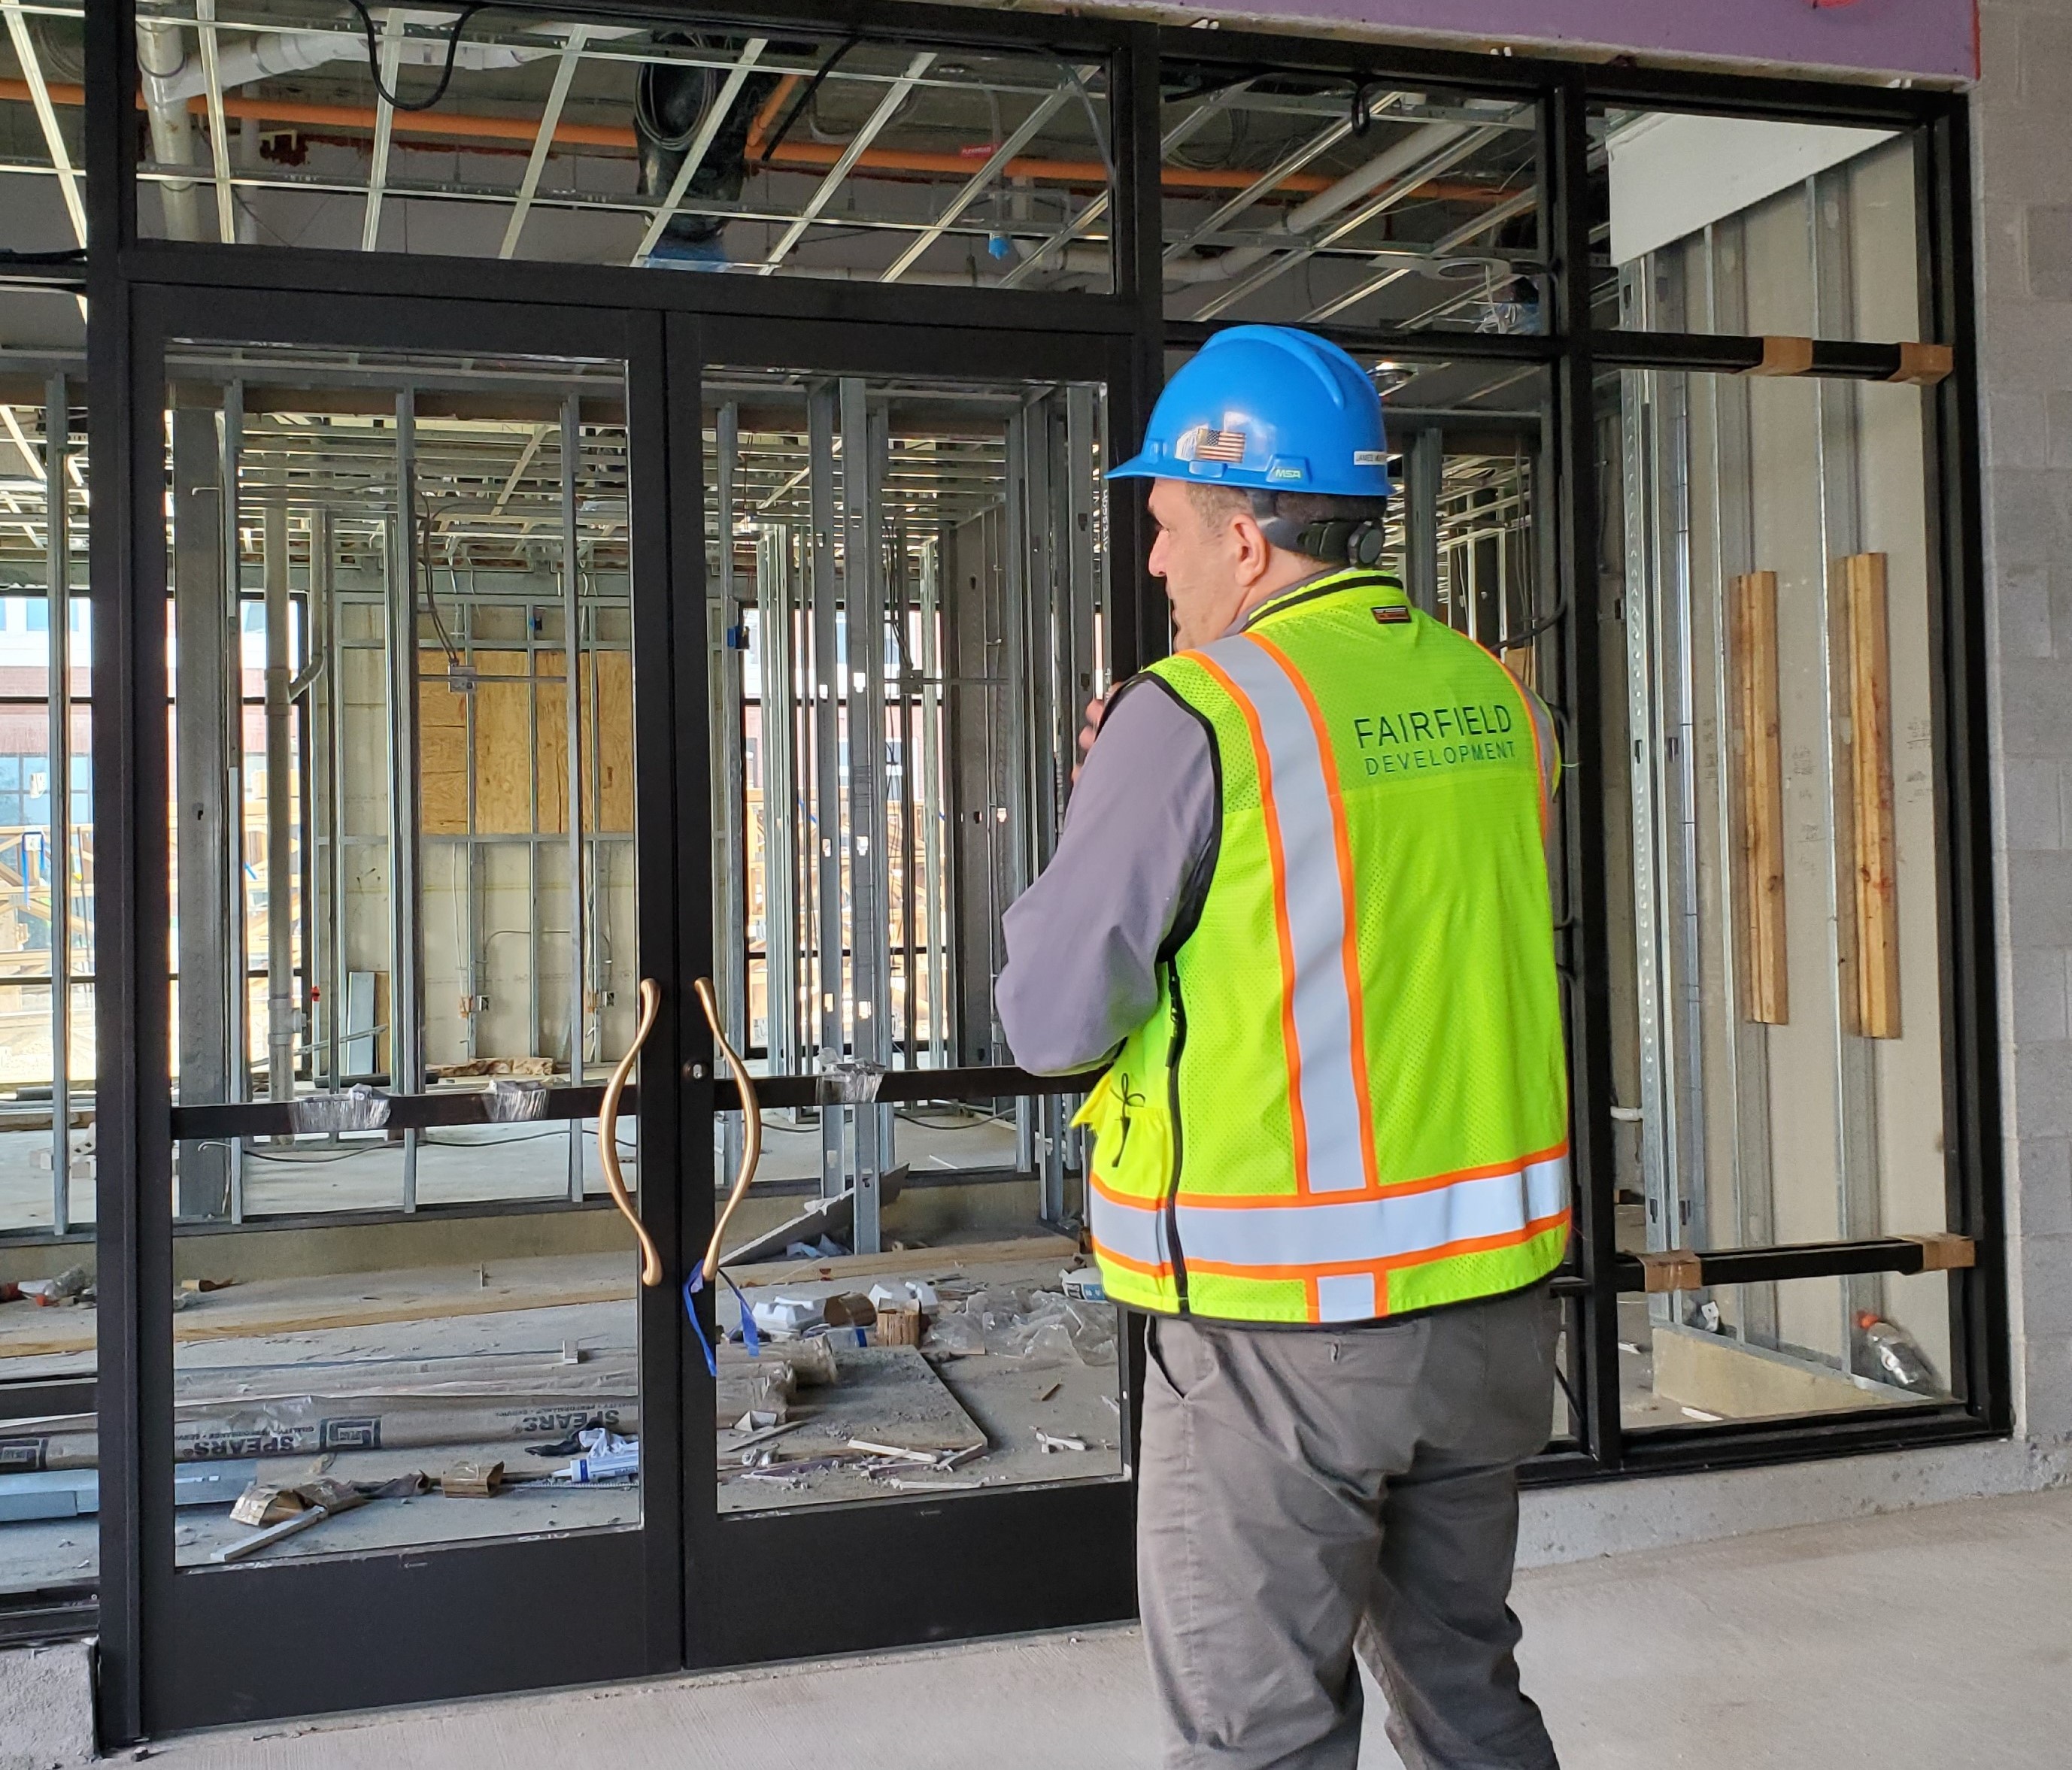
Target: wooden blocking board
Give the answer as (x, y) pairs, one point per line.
(1757, 790)
(1874, 845)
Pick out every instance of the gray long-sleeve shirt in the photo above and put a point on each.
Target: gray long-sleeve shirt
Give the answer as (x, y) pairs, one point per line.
(1082, 941)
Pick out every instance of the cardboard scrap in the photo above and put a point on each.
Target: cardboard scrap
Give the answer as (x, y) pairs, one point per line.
(259, 1506)
(472, 1480)
(900, 1325)
(850, 1309)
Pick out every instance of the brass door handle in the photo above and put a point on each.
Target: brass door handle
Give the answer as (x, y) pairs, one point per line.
(607, 1132)
(751, 1132)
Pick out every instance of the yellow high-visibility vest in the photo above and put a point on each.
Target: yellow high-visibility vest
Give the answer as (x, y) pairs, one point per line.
(1351, 1098)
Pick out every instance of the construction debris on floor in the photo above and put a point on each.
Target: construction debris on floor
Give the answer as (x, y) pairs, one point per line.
(878, 1391)
(358, 1412)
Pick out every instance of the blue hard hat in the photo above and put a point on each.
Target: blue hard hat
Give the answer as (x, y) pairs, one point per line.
(1271, 407)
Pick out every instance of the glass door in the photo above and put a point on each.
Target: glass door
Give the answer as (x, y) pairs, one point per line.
(408, 1380)
(911, 589)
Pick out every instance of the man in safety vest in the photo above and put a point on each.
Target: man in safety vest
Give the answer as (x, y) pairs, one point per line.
(1301, 909)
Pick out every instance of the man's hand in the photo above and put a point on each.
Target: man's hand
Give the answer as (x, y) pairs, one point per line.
(1089, 731)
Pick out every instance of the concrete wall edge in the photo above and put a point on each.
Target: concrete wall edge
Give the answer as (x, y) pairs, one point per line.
(1590, 1519)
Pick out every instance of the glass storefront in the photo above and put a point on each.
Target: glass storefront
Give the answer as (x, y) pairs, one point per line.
(486, 642)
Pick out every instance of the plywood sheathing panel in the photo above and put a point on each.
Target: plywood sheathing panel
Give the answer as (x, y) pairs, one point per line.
(1758, 799)
(503, 744)
(1874, 1002)
(606, 686)
(553, 755)
(608, 802)
(441, 749)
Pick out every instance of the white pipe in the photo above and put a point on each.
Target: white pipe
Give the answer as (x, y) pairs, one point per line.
(1392, 162)
(162, 58)
(279, 52)
(291, 51)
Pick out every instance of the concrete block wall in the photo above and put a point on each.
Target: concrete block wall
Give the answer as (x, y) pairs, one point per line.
(2022, 123)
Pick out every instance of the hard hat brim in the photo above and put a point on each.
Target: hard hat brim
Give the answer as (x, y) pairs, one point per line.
(1368, 482)
(1141, 466)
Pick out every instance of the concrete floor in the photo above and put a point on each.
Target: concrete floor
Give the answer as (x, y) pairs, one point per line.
(1918, 1640)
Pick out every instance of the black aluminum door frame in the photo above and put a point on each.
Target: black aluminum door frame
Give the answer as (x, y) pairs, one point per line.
(992, 1563)
(197, 1646)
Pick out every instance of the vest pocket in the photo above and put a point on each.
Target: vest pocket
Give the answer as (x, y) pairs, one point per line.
(1132, 1132)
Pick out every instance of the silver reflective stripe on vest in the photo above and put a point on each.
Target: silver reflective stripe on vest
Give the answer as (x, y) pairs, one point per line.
(1325, 1080)
(1427, 1220)
(1136, 1233)
(1546, 749)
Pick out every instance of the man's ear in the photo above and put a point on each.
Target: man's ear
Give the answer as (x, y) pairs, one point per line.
(1252, 552)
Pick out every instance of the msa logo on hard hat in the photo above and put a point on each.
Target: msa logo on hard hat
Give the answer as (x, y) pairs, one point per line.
(1206, 443)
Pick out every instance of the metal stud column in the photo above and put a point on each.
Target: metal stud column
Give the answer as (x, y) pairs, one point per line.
(782, 929)
(863, 442)
(826, 684)
(406, 1010)
(729, 786)
(1860, 1204)
(1424, 464)
(1745, 1051)
(57, 855)
(572, 649)
(280, 809)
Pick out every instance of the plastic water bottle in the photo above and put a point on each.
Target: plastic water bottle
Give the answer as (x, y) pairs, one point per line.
(1894, 1357)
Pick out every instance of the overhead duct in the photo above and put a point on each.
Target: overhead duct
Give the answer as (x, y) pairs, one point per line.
(671, 104)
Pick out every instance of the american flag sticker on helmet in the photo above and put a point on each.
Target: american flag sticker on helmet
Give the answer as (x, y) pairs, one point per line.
(1206, 443)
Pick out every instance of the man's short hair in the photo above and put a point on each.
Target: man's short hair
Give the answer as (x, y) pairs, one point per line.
(1213, 502)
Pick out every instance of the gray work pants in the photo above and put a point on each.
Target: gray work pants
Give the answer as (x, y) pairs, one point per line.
(1304, 1490)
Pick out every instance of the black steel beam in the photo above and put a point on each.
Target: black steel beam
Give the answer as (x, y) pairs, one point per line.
(130, 818)
(1791, 1260)
(1565, 171)
(1723, 354)
(1974, 1187)
(1418, 346)
(435, 1111)
(33, 1397)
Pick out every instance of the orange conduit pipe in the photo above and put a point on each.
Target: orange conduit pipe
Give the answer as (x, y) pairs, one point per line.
(466, 126)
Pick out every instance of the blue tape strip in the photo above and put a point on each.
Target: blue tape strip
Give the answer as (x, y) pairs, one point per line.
(749, 1337)
(691, 1286)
